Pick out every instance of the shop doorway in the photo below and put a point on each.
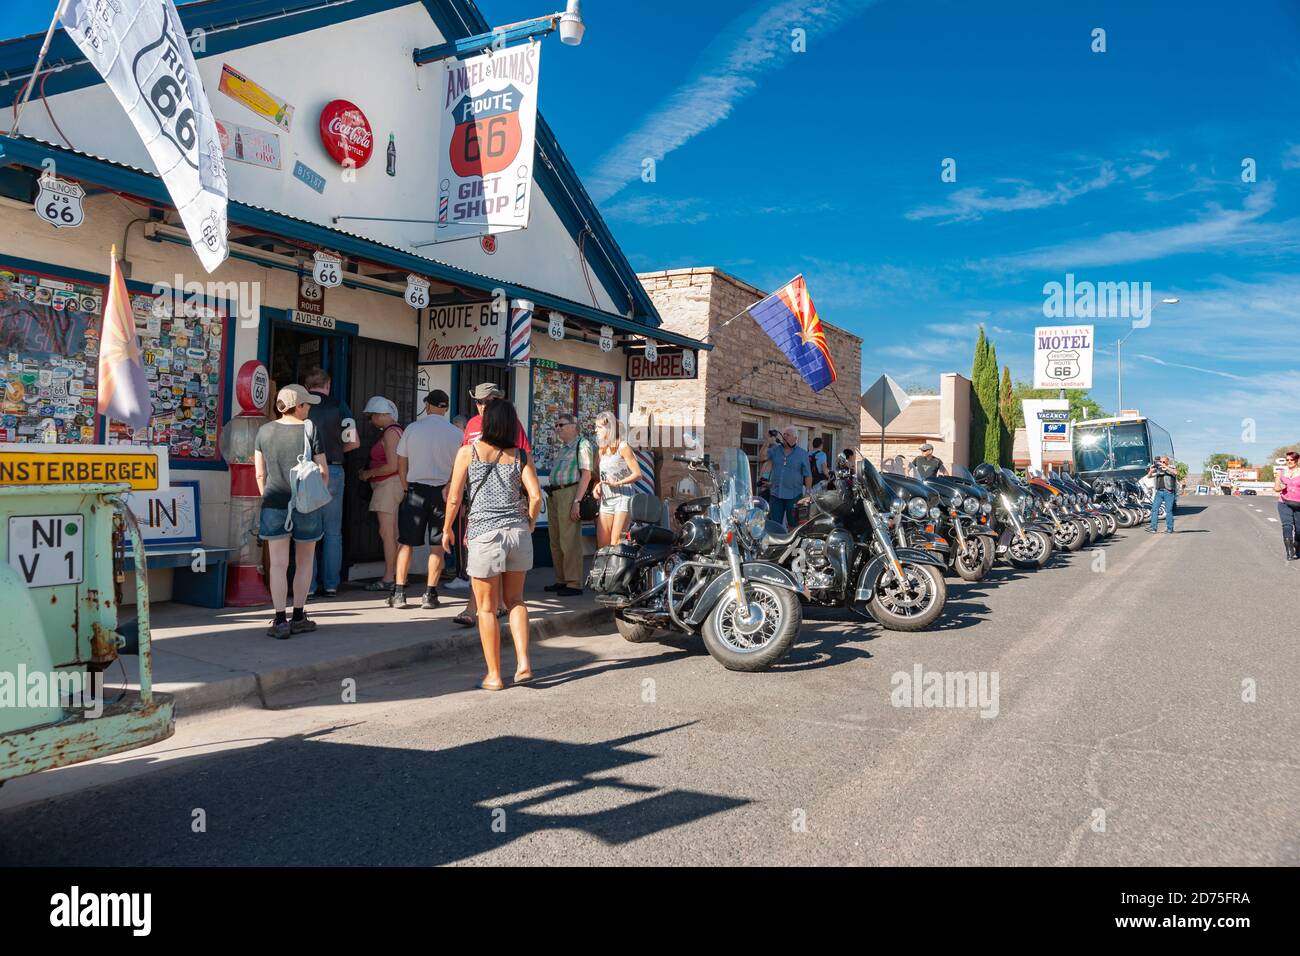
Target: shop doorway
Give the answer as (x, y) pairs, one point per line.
(295, 351)
(471, 374)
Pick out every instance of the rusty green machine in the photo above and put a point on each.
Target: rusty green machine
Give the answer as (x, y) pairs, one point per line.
(61, 551)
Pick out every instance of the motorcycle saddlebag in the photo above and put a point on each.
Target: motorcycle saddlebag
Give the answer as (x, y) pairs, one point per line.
(611, 569)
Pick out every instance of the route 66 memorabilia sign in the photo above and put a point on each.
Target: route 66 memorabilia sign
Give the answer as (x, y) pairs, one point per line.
(651, 351)
(606, 338)
(417, 291)
(556, 328)
(327, 270)
(59, 202)
(311, 297)
(688, 362)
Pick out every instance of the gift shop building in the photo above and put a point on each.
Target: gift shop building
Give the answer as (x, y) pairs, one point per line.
(400, 214)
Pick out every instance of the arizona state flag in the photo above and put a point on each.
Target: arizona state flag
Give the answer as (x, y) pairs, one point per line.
(123, 391)
(790, 318)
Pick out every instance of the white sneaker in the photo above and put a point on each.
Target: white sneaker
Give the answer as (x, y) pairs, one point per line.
(457, 584)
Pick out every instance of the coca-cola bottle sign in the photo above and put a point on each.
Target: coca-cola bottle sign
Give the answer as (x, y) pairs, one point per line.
(346, 133)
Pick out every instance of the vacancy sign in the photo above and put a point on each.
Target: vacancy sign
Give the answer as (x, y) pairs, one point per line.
(488, 126)
(1063, 356)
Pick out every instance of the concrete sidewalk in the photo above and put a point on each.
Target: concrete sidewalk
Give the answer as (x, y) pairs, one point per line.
(218, 658)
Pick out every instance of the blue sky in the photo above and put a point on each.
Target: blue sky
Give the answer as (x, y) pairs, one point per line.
(1117, 166)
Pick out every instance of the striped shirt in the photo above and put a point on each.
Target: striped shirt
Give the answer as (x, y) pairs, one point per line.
(568, 461)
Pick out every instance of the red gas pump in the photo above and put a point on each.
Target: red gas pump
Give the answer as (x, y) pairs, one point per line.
(244, 585)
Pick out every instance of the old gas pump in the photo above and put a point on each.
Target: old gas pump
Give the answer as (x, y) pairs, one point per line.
(244, 584)
(58, 607)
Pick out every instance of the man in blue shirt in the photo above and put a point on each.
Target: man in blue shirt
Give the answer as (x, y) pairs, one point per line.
(790, 475)
(328, 417)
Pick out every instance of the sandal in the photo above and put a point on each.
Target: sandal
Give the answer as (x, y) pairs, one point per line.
(465, 619)
(484, 685)
(523, 677)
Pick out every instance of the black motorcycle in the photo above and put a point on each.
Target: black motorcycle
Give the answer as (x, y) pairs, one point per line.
(847, 554)
(697, 579)
(1024, 538)
(965, 523)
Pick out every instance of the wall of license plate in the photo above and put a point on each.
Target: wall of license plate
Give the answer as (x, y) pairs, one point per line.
(49, 353)
(557, 389)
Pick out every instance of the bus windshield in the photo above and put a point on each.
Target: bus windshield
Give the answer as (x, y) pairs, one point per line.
(1111, 447)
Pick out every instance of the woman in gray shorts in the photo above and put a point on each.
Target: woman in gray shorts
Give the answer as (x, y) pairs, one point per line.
(619, 471)
(503, 498)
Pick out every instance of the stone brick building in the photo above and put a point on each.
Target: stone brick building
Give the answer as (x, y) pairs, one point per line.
(745, 386)
(943, 420)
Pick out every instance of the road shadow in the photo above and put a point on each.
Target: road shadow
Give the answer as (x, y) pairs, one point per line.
(310, 800)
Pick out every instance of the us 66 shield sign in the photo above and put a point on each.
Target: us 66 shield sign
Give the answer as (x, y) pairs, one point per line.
(46, 550)
(59, 202)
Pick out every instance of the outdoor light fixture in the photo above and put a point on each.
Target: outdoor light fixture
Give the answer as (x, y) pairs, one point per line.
(571, 26)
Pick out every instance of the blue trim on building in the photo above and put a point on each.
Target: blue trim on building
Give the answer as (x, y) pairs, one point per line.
(77, 166)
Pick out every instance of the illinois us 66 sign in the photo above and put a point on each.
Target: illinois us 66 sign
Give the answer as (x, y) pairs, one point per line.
(58, 202)
(46, 550)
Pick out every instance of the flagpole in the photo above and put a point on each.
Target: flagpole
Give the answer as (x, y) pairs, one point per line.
(40, 61)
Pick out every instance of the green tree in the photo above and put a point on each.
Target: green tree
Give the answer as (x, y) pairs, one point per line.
(1220, 460)
(1183, 469)
(979, 422)
(1006, 415)
(989, 399)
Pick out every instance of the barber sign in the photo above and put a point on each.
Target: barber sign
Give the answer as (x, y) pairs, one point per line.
(1063, 356)
(58, 202)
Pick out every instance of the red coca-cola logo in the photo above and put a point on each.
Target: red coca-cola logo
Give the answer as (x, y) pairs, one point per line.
(346, 134)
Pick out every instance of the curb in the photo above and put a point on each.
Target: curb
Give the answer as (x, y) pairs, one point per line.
(254, 688)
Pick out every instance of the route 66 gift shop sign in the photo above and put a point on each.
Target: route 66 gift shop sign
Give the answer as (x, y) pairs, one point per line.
(59, 202)
(487, 135)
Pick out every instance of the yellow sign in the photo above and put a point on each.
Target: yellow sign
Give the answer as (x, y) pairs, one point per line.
(261, 101)
(141, 469)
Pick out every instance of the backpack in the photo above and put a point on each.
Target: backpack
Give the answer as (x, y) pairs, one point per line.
(307, 492)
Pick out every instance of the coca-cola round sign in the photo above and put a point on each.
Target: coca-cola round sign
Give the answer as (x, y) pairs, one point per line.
(346, 133)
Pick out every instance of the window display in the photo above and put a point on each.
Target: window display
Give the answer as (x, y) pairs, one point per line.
(557, 390)
(49, 350)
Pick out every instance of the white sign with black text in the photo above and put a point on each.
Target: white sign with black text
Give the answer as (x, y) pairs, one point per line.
(58, 202)
(46, 550)
(327, 270)
(1063, 356)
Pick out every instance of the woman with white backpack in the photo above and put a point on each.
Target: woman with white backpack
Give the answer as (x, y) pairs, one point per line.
(293, 496)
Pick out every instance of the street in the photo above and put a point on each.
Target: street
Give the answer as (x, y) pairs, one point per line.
(1144, 713)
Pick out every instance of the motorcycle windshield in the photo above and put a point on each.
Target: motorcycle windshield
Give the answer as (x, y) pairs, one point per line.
(962, 472)
(735, 488)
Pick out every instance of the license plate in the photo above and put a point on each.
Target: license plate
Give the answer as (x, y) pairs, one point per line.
(46, 550)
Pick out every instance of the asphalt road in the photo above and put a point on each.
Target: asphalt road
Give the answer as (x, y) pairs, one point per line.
(1120, 736)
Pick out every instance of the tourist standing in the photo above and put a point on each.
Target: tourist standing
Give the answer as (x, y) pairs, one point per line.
(385, 484)
(328, 418)
(425, 453)
(572, 462)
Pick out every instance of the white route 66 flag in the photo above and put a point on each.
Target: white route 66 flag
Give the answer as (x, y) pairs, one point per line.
(140, 49)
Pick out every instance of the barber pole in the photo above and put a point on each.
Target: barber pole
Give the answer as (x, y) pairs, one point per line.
(521, 332)
(645, 485)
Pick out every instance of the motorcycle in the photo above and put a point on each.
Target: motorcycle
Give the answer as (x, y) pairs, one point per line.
(848, 551)
(1070, 531)
(965, 522)
(698, 579)
(1023, 539)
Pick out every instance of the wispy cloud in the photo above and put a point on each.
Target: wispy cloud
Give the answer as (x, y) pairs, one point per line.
(1216, 229)
(754, 44)
(1291, 159)
(974, 202)
(658, 211)
(1193, 368)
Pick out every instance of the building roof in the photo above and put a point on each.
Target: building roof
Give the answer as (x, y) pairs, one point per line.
(920, 419)
(234, 24)
(1051, 455)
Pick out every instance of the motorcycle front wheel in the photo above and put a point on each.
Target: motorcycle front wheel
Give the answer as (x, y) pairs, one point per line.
(969, 562)
(1032, 553)
(1073, 538)
(1111, 523)
(760, 642)
(912, 605)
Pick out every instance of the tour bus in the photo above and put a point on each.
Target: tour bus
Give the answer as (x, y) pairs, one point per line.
(1128, 445)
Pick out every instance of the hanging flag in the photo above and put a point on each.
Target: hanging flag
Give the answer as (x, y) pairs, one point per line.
(123, 391)
(140, 49)
(789, 317)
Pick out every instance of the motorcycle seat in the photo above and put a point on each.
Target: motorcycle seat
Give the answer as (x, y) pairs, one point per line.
(651, 534)
(778, 535)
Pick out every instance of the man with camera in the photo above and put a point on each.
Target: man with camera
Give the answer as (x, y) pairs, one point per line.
(1165, 480)
(788, 473)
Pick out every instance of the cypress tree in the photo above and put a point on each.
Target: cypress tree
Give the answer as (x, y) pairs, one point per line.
(1007, 409)
(988, 394)
(978, 420)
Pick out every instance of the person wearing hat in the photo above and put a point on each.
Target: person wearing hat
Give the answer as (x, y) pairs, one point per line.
(425, 453)
(926, 465)
(483, 393)
(572, 461)
(276, 450)
(385, 483)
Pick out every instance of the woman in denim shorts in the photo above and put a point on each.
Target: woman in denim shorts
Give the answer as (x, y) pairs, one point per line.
(503, 498)
(619, 471)
(278, 446)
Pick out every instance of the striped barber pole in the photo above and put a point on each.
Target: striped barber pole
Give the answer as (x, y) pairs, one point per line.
(521, 332)
(645, 485)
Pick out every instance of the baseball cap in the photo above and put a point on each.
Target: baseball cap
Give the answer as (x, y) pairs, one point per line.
(437, 399)
(927, 447)
(378, 405)
(291, 396)
(485, 390)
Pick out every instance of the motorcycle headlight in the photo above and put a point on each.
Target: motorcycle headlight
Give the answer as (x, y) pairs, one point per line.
(917, 508)
(897, 505)
(986, 507)
(935, 514)
(956, 499)
(755, 523)
(970, 505)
